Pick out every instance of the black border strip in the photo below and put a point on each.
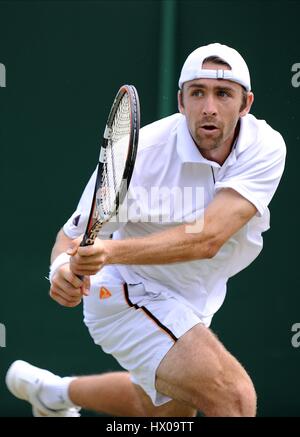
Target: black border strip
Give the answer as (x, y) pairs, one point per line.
(149, 314)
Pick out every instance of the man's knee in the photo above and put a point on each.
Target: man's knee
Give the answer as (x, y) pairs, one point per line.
(228, 396)
(245, 398)
(242, 398)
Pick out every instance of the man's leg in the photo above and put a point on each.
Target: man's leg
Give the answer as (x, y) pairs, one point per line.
(114, 394)
(111, 393)
(197, 372)
(200, 372)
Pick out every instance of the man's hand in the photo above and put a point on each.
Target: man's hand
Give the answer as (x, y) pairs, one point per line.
(87, 260)
(66, 288)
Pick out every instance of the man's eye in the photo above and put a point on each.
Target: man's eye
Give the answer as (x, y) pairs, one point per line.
(223, 94)
(197, 93)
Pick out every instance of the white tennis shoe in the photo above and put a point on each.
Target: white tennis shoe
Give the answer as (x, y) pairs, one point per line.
(25, 382)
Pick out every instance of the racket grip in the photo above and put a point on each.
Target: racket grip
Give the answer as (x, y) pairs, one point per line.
(87, 241)
(81, 277)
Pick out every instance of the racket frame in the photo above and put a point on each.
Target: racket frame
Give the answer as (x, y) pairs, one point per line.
(93, 227)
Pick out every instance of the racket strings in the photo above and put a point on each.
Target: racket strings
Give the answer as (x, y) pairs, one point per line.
(116, 156)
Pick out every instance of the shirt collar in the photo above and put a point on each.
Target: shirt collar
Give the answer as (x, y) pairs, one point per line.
(247, 134)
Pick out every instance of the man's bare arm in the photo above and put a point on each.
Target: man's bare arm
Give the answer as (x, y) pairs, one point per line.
(62, 243)
(223, 217)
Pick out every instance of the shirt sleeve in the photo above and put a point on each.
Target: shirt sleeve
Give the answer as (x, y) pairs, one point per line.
(257, 172)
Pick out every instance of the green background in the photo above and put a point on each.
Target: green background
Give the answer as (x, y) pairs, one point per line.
(64, 62)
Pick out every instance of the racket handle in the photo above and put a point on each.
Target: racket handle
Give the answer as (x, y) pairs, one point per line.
(84, 242)
(81, 277)
(88, 241)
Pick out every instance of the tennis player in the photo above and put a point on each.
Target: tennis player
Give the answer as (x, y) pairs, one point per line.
(156, 285)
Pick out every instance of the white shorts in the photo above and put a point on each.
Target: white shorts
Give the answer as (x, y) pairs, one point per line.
(137, 327)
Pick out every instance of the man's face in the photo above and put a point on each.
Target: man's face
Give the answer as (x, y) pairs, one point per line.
(212, 109)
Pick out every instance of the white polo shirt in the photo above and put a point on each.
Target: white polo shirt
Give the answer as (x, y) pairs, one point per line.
(168, 161)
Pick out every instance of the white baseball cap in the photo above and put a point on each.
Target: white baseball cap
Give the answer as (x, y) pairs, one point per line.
(192, 68)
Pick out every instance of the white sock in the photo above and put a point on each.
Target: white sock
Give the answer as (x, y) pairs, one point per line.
(55, 393)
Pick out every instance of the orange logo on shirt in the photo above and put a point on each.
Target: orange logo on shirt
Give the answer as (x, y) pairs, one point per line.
(104, 293)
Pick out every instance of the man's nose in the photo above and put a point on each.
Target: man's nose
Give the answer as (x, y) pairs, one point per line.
(209, 107)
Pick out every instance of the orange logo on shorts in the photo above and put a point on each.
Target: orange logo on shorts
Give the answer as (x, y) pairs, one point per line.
(104, 293)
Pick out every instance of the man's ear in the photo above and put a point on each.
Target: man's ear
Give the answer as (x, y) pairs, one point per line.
(250, 100)
(180, 102)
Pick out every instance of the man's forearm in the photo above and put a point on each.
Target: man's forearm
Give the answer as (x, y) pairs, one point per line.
(62, 243)
(170, 246)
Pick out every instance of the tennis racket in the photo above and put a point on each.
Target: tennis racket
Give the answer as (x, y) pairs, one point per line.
(116, 161)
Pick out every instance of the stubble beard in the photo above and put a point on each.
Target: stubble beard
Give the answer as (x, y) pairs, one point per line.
(205, 144)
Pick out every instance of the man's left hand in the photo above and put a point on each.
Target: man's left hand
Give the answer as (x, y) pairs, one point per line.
(87, 260)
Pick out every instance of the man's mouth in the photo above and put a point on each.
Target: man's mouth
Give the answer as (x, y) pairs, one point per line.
(208, 127)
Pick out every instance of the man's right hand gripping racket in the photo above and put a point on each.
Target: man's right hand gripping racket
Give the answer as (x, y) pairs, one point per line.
(116, 161)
